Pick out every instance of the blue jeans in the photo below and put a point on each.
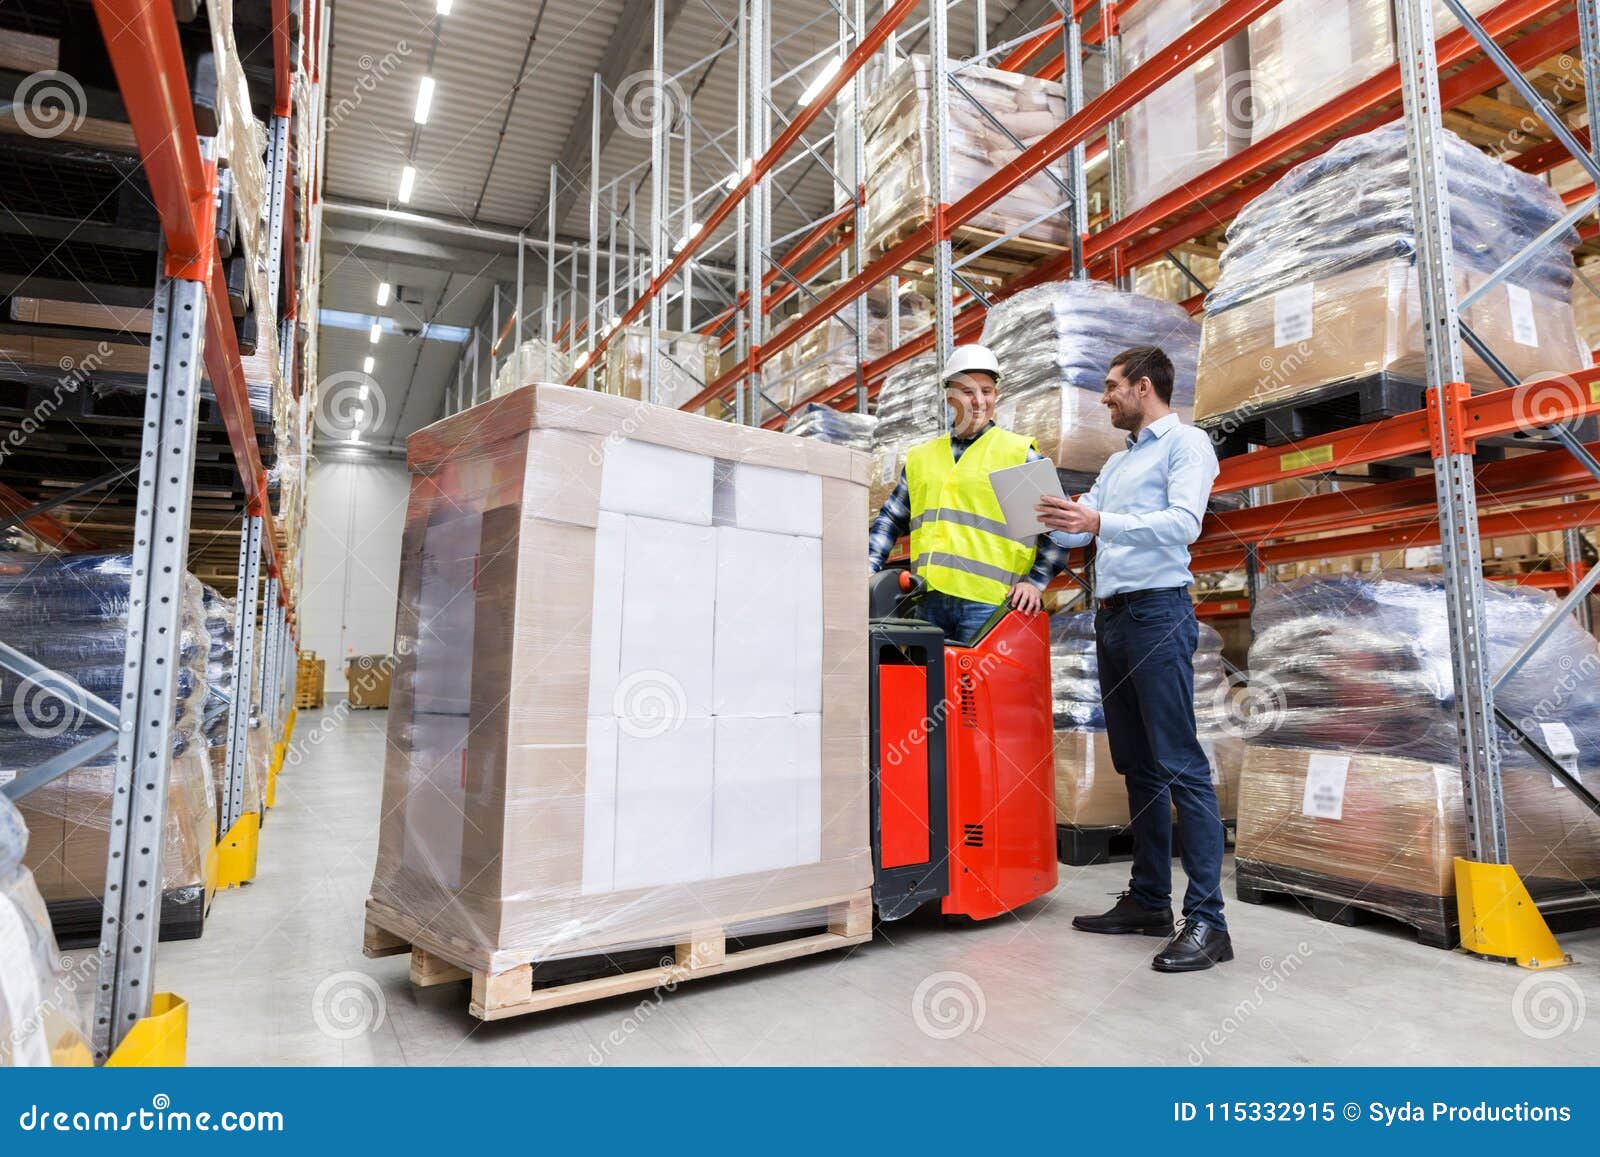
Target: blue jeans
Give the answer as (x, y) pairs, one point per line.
(1145, 650)
(959, 619)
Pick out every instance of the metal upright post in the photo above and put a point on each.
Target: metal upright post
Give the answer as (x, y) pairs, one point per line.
(858, 165)
(131, 918)
(1116, 175)
(759, 218)
(980, 39)
(687, 182)
(550, 269)
(741, 152)
(1589, 49)
(522, 277)
(244, 651)
(611, 259)
(269, 661)
(1452, 463)
(277, 210)
(1072, 82)
(944, 338)
(494, 332)
(594, 227)
(658, 195)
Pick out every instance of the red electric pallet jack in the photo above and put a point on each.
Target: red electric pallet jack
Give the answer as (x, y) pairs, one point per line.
(963, 760)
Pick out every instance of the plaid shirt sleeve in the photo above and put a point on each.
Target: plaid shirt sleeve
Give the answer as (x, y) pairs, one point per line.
(893, 521)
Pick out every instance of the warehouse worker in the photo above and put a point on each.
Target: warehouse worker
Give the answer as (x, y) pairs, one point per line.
(1143, 512)
(947, 504)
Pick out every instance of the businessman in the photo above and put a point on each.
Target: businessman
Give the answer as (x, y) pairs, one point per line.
(1143, 512)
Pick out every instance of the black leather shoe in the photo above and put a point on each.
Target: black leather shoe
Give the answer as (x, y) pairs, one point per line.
(1197, 947)
(1128, 916)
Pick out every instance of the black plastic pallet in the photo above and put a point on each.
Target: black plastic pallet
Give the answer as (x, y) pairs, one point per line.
(1350, 903)
(77, 922)
(1322, 410)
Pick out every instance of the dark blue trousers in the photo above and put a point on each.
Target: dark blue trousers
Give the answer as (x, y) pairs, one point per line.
(959, 619)
(1145, 650)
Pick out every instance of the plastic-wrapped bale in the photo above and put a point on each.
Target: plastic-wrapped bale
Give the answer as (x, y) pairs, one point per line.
(1304, 53)
(899, 151)
(1055, 343)
(826, 353)
(1381, 834)
(1358, 672)
(1198, 118)
(533, 361)
(1164, 280)
(1089, 791)
(1318, 284)
(910, 410)
(41, 1021)
(69, 613)
(686, 362)
(625, 711)
(838, 427)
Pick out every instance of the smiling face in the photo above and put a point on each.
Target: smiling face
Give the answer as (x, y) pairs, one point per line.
(971, 398)
(1126, 400)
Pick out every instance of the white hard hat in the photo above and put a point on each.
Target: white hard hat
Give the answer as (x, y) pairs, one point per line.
(967, 358)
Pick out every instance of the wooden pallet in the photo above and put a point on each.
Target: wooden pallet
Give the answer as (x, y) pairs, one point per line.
(1011, 258)
(538, 986)
(1432, 919)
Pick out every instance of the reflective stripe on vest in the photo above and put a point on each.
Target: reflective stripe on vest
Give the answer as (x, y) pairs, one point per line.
(958, 531)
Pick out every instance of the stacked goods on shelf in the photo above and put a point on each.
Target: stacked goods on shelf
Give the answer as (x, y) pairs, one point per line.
(898, 128)
(827, 353)
(839, 427)
(625, 712)
(1586, 306)
(1198, 118)
(1089, 791)
(533, 361)
(40, 1023)
(685, 363)
(1055, 343)
(69, 613)
(1165, 280)
(1304, 53)
(1318, 284)
(1351, 793)
(910, 410)
(310, 681)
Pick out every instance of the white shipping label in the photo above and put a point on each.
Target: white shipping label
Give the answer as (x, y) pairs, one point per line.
(1558, 741)
(1291, 314)
(886, 469)
(1523, 329)
(1324, 795)
(6, 777)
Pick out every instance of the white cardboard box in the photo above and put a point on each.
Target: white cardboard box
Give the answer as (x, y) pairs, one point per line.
(656, 481)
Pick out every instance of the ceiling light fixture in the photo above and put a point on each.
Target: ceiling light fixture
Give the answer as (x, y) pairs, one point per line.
(367, 364)
(443, 7)
(383, 293)
(374, 333)
(820, 81)
(424, 100)
(408, 181)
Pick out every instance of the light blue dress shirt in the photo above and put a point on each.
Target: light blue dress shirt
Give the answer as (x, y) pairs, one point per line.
(1151, 498)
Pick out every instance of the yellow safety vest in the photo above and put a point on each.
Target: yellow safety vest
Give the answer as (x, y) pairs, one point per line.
(958, 531)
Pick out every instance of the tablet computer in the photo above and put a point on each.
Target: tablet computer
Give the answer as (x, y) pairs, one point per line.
(1019, 489)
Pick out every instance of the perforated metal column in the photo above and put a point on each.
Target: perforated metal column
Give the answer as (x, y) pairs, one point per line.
(244, 653)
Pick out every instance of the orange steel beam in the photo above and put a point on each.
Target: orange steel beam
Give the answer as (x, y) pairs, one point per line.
(817, 232)
(281, 91)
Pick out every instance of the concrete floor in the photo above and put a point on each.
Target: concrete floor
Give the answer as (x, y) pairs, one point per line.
(279, 979)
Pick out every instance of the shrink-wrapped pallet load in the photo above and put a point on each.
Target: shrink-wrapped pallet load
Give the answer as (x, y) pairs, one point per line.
(533, 361)
(1055, 343)
(839, 427)
(69, 613)
(1352, 790)
(629, 703)
(1304, 53)
(910, 410)
(40, 990)
(686, 363)
(1089, 791)
(899, 151)
(826, 353)
(1318, 284)
(218, 712)
(1194, 121)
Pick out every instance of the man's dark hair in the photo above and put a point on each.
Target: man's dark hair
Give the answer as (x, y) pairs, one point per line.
(1147, 361)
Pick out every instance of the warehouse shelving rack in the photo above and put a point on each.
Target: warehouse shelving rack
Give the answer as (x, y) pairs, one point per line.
(1434, 74)
(192, 332)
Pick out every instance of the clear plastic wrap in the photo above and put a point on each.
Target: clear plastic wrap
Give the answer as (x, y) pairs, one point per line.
(1383, 832)
(899, 151)
(219, 706)
(533, 361)
(1089, 791)
(69, 612)
(625, 706)
(687, 363)
(827, 353)
(1304, 53)
(1055, 343)
(1198, 118)
(1364, 663)
(839, 427)
(41, 1020)
(910, 410)
(1164, 280)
